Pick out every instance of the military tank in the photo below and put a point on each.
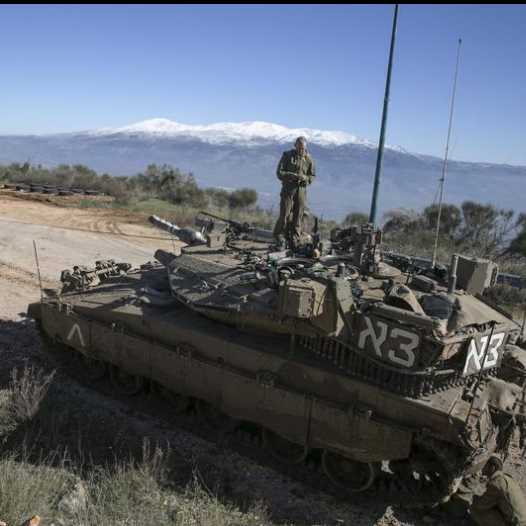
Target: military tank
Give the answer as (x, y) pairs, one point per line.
(330, 351)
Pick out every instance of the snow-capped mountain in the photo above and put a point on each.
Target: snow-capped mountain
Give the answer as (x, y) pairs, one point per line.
(246, 154)
(246, 133)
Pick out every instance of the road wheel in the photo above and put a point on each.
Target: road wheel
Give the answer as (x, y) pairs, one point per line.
(214, 417)
(348, 474)
(93, 369)
(282, 449)
(178, 403)
(125, 383)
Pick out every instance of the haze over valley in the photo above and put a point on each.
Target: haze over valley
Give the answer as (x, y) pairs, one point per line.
(234, 155)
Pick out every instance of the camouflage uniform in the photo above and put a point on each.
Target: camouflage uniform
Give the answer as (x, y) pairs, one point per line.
(503, 503)
(296, 172)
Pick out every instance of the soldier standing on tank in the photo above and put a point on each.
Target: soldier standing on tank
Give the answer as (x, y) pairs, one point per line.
(503, 503)
(296, 172)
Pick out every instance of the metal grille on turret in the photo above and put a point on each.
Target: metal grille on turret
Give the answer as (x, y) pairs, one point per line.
(413, 384)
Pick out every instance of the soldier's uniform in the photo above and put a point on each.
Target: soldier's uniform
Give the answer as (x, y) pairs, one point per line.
(503, 503)
(296, 172)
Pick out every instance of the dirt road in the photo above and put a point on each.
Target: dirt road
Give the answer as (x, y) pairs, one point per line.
(64, 237)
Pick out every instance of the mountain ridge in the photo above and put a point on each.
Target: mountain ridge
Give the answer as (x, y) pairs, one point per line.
(238, 155)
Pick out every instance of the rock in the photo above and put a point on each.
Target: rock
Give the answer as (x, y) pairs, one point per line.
(74, 501)
(33, 521)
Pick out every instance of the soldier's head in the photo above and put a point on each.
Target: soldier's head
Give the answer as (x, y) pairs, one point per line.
(493, 465)
(301, 145)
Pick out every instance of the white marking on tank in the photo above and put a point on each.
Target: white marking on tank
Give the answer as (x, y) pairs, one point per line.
(377, 340)
(403, 355)
(76, 329)
(476, 354)
(407, 348)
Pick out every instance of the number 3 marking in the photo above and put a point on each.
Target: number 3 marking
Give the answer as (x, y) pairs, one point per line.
(408, 348)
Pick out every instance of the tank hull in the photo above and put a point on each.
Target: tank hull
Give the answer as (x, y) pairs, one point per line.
(267, 381)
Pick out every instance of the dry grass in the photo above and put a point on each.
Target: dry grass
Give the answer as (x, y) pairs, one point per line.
(22, 401)
(28, 389)
(63, 491)
(27, 489)
(130, 493)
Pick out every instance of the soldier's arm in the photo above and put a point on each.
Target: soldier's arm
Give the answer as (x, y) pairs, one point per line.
(311, 171)
(280, 172)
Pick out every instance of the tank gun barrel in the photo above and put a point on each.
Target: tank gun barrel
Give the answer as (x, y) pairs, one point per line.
(237, 228)
(186, 235)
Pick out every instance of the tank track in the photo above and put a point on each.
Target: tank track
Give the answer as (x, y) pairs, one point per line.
(396, 488)
(413, 384)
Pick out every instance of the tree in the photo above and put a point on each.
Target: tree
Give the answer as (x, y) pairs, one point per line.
(242, 198)
(180, 188)
(450, 218)
(218, 197)
(485, 227)
(401, 220)
(355, 218)
(517, 246)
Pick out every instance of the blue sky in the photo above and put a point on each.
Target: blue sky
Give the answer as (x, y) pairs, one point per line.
(68, 68)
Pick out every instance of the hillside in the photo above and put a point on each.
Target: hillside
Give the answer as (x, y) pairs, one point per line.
(235, 155)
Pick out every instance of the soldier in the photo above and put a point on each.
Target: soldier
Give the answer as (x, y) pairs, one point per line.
(295, 171)
(503, 503)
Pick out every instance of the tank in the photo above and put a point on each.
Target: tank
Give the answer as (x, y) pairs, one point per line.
(368, 363)
(333, 352)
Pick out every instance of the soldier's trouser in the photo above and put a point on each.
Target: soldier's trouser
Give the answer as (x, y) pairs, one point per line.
(291, 209)
(492, 517)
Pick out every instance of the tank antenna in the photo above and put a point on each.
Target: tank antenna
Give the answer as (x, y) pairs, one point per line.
(523, 322)
(38, 269)
(442, 179)
(379, 157)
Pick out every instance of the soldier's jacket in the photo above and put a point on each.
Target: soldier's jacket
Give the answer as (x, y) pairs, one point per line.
(291, 162)
(504, 493)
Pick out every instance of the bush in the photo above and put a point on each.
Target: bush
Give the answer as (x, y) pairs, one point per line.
(219, 198)
(28, 388)
(506, 295)
(163, 182)
(22, 402)
(243, 198)
(354, 218)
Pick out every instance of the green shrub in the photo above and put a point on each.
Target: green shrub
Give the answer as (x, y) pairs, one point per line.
(506, 295)
(243, 198)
